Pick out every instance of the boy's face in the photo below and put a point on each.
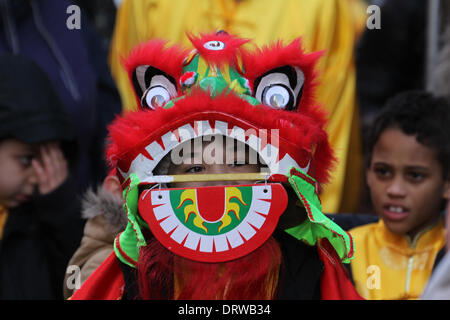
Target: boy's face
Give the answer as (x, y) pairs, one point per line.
(406, 182)
(17, 176)
(220, 155)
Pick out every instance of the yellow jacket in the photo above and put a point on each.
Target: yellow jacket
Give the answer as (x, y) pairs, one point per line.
(388, 266)
(333, 26)
(3, 218)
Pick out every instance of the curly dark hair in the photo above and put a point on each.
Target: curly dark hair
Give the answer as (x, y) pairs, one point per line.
(417, 113)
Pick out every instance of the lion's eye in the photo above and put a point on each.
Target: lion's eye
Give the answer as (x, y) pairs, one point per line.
(155, 97)
(280, 88)
(154, 86)
(278, 97)
(214, 45)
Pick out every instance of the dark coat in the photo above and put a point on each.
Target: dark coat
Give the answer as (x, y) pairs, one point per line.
(38, 240)
(391, 59)
(40, 235)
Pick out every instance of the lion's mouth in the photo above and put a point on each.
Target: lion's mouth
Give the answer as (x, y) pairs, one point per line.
(204, 241)
(276, 153)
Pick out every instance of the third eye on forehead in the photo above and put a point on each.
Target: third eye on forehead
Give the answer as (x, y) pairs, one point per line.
(214, 149)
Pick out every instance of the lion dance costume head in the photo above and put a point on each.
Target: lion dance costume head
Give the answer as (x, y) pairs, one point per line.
(216, 241)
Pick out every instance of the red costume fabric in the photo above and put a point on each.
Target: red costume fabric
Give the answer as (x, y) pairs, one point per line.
(107, 282)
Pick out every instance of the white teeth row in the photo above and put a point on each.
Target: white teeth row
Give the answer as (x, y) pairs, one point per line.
(143, 167)
(169, 222)
(396, 209)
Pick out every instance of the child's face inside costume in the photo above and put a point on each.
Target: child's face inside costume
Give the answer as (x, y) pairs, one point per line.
(17, 176)
(406, 182)
(213, 155)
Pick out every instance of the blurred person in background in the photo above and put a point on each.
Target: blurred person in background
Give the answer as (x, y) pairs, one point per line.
(438, 287)
(40, 226)
(408, 173)
(389, 60)
(76, 63)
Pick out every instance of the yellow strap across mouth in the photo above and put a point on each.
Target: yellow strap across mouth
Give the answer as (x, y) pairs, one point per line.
(207, 177)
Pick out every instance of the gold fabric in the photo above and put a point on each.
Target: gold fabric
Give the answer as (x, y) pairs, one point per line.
(388, 266)
(3, 218)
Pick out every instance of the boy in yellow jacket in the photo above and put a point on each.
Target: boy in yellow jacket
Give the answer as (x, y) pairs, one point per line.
(409, 181)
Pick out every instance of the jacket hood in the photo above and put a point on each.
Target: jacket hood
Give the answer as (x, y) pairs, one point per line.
(30, 108)
(107, 204)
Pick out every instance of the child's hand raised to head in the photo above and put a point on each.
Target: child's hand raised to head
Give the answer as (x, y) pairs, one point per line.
(51, 168)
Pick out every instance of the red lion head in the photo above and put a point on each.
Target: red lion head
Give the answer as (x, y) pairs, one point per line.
(263, 97)
(222, 88)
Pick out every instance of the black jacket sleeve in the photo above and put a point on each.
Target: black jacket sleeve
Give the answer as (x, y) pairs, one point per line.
(61, 228)
(38, 240)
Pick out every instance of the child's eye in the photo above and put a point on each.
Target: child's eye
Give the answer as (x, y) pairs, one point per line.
(415, 176)
(383, 172)
(25, 160)
(195, 169)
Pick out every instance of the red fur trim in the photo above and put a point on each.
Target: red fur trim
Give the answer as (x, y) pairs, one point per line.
(303, 129)
(298, 131)
(264, 59)
(240, 279)
(156, 54)
(228, 55)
